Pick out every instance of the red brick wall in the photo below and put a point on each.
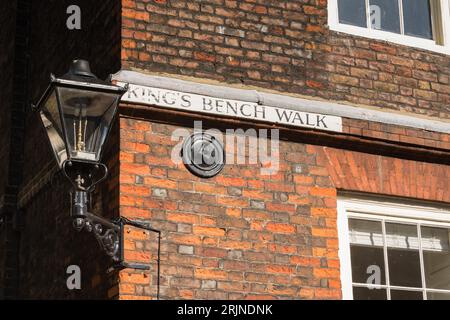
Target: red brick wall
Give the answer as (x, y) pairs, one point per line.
(353, 171)
(281, 45)
(244, 235)
(290, 241)
(239, 235)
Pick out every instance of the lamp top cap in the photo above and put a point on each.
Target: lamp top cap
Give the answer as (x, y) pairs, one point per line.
(81, 68)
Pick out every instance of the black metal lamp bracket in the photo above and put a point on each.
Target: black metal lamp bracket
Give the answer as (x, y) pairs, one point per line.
(110, 234)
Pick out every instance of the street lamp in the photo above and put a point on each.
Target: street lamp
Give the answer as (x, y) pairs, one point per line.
(77, 111)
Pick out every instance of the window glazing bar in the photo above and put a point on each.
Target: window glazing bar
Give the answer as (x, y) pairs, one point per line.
(402, 21)
(386, 262)
(437, 26)
(368, 17)
(422, 268)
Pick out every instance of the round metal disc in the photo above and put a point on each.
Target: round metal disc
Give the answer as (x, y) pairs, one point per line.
(203, 155)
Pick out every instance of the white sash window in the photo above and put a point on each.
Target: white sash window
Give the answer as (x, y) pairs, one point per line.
(393, 250)
(423, 24)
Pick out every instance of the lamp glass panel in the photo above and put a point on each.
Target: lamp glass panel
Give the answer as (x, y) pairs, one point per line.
(87, 117)
(52, 123)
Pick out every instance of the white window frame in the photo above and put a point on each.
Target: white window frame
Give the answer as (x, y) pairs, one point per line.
(416, 42)
(379, 209)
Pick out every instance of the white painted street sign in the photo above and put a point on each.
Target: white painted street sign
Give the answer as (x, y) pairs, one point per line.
(229, 108)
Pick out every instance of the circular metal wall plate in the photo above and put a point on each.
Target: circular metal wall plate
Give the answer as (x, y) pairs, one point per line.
(203, 155)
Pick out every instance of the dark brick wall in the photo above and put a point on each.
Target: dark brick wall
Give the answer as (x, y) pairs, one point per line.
(282, 45)
(7, 16)
(48, 243)
(15, 97)
(54, 47)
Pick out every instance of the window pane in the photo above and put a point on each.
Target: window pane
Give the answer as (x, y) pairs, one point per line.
(366, 251)
(367, 265)
(384, 15)
(404, 268)
(438, 296)
(417, 18)
(435, 239)
(403, 255)
(436, 257)
(352, 12)
(369, 294)
(365, 232)
(402, 236)
(406, 295)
